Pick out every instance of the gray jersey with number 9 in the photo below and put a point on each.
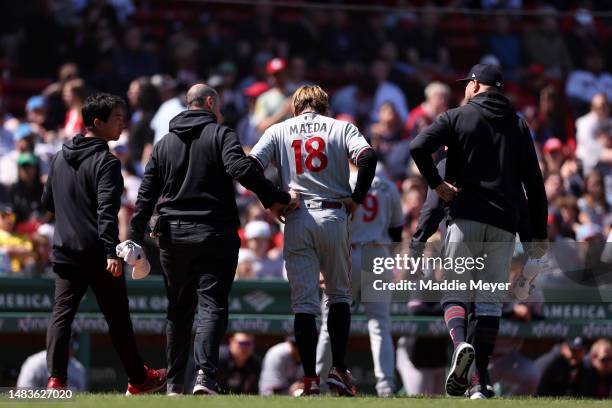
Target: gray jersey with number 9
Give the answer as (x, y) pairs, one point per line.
(310, 152)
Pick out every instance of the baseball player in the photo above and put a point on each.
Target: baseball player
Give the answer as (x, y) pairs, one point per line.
(377, 222)
(310, 152)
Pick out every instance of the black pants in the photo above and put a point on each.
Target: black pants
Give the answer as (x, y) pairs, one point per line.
(197, 275)
(71, 283)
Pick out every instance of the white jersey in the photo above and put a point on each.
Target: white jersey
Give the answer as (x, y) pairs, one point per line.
(381, 210)
(311, 152)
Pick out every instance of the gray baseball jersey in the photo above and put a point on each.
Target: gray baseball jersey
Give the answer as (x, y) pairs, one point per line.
(381, 210)
(311, 152)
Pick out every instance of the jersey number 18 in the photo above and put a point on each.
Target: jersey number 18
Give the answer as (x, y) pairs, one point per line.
(317, 151)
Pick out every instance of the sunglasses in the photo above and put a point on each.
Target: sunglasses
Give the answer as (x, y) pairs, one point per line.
(605, 360)
(246, 343)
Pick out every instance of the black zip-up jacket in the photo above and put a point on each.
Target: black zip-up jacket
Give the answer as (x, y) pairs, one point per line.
(191, 173)
(84, 190)
(491, 158)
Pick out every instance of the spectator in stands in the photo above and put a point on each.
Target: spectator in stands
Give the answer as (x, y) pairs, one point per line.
(427, 44)
(173, 103)
(567, 209)
(144, 101)
(550, 119)
(545, 45)
(24, 138)
(355, 100)
(15, 250)
(244, 267)
(593, 205)
(27, 191)
(506, 45)
(297, 73)
(258, 236)
(562, 370)
(247, 128)
(387, 132)
(56, 108)
(232, 101)
(386, 91)
(7, 142)
(583, 39)
(36, 112)
(239, 366)
(281, 370)
(587, 146)
(553, 155)
(131, 59)
(273, 105)
(437, 97)
(553, 184)
(74, 94)
(604, 162)
(597, 377)
(583, 84)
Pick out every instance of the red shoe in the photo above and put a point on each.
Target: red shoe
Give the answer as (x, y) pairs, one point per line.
(341, 382)
(156, 380)
(311, 386)
(54, 383)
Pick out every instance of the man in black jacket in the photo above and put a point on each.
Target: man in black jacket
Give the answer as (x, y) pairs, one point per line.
(84, 190)
(491, 163)
(189, 183)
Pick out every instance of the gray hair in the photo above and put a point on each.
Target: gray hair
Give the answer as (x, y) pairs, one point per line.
(198, 93)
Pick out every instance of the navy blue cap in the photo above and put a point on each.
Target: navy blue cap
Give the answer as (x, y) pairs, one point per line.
(485, 74)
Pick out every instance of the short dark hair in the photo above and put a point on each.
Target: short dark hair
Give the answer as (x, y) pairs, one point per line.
(100, 106)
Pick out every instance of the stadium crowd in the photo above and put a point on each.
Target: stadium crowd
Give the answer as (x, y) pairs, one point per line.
(391, 79)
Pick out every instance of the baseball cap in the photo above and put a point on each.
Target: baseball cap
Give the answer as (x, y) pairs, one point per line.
(552, 145)
(257, 229)
(256, 89)
(35, 102)
(24, 130)
(485, 74)
(27, 159)
(275, 65)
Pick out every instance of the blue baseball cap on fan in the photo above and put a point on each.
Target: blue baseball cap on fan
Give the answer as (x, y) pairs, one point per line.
(485, 74)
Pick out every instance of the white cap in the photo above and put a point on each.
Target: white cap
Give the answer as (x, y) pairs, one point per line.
(257, 229)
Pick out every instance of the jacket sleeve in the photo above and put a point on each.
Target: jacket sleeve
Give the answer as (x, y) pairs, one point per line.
(427, 143)
(109, 189)
(531, 176)
(47, 195)
(248, 173)
(148, 194)
(432, 213)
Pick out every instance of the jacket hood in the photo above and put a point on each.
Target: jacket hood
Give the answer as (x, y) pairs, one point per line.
(493, 105)
(81, 147)
(189, 123)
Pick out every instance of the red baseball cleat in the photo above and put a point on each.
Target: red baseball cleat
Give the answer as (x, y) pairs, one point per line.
(55, 383)
(156, 380)
(311, 386)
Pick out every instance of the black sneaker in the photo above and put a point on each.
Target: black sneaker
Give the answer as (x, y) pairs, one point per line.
(206, 386)
(457, 381)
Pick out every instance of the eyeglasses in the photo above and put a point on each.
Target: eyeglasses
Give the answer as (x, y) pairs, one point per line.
(246, 343)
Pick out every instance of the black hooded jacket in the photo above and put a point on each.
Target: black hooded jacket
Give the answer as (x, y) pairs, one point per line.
(491, 158)
(84, 189)
(190, 177)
